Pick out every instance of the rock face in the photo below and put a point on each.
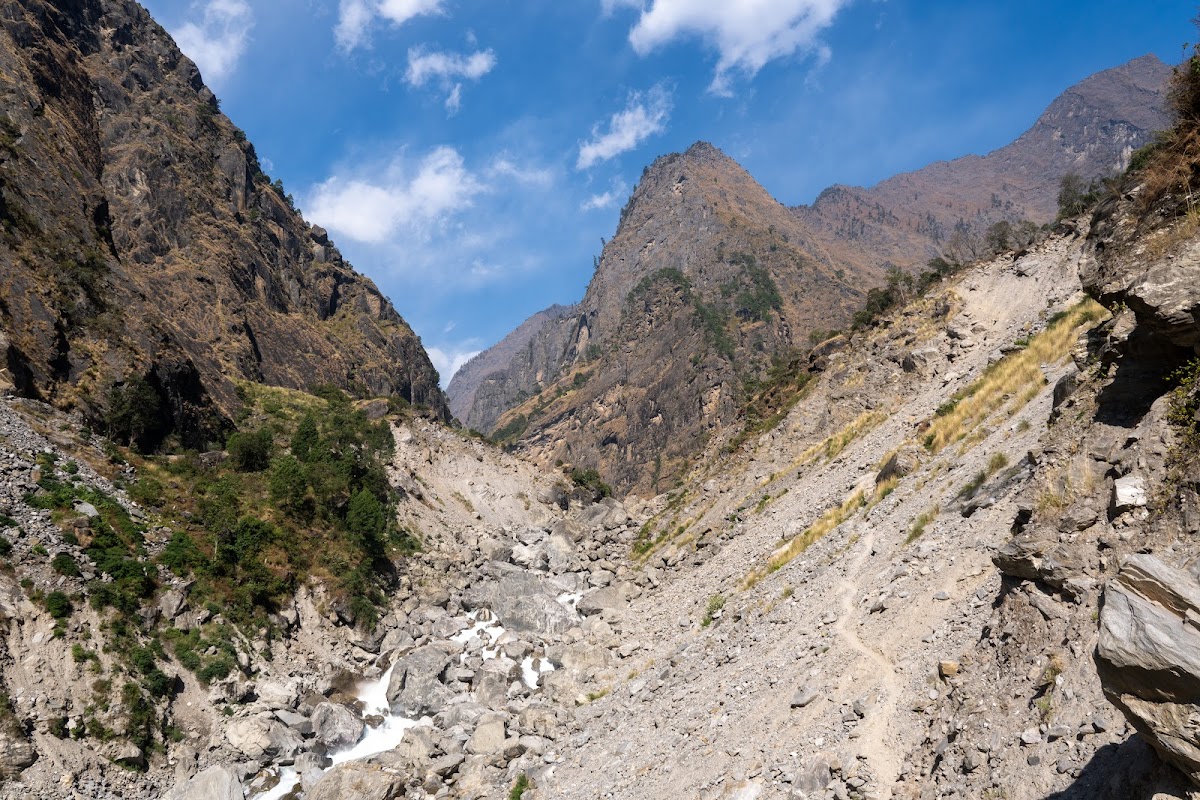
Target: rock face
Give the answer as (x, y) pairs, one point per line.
(215, 783)
(140, 236)
(1148, 656)
(1090, 129)
(491, 382)
(358, 782)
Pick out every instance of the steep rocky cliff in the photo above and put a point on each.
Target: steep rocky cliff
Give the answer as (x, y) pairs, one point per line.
(141, 239)
(491, 382)
(706, 285)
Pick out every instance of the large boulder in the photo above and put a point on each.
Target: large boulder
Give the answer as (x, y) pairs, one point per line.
(1038, 555)
(358, 781)
(416, 687)
(336, 726)
(1148, 656)
(218, 782)
(259, 738)
(525, 603)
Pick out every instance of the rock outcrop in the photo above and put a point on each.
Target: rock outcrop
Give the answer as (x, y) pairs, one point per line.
(140, 238)
(1148, 656)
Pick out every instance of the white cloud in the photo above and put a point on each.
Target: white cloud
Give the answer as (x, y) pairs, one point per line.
(401, 201)
(448, 360)
(356, 17)
(504, 169)
(608, 199)
(644, 116)
(448, 70)
(218, 39)
(746, 34)
(424, 66)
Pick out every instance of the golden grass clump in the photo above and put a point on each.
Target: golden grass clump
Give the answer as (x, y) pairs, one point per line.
(1017, 378)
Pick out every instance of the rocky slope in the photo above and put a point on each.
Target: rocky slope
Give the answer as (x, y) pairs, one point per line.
(895, 591)
(1090, 130)
(140, 238)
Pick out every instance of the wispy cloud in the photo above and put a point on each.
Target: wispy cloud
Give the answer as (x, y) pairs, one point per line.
(746, 34)
(449, 358)
(218, 38)
(357, 17)
(643, 116)
(403, 200)
(603, 200)
(448, 70)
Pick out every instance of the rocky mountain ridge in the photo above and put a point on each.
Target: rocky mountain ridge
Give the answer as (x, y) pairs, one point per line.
(142, 241)
(849, 234)
(707, 283)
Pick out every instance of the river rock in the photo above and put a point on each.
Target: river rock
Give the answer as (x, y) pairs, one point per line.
(416, 687)
(524, 602)
(358, 781)
(336, 726)
(218, 782)
(260, 738)
(1148, 656)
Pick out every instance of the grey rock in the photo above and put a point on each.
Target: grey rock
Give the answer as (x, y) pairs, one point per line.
(257, 738)
(416, 687)
(597, 600)
(336, 726)
(1128, 492)
(489, 735)
(1148, 656)
(218, 782)
(358, 781)
(803, 696)
(524, 602)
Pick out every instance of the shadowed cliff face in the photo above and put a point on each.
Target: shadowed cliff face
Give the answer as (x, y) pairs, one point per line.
(140, 236)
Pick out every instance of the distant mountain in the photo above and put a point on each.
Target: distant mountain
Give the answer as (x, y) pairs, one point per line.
(1091, 130)
(140, 238)
(661, 346)
(490, 383)
(707, 280)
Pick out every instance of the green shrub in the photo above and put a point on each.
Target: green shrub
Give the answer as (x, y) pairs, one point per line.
(519, 787)
(58, 604)
(65, 564)
(590, 479)
(250, 452)
(148, 490)
(715, 604)
(5, 546)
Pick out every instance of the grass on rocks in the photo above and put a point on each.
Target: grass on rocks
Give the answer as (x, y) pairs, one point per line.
(801, 542)
(1010, 383)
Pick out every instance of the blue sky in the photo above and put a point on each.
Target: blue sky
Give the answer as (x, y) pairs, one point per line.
(469, 155)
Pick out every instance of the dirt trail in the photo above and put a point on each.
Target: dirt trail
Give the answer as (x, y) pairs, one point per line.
(873, 739)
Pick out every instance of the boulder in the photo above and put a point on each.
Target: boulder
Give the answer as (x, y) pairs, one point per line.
(218, 782)
(259, 738)
(16, 753)
(1148, 656)
(525, 603)
(358, 781)
(1128, 493)
(416, 687)
(592, 603)
(489, 735)
(901, 463)
(125, 754)
(1037, 555)
(336, 726)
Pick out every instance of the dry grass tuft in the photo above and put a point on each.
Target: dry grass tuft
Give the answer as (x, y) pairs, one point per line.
(1017, 378)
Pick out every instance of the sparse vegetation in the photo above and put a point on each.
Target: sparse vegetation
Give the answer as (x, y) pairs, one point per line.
(590, 479)
(520, 786)
(801, 542)
(1017, 378)
(715, 605)
(920, 523)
